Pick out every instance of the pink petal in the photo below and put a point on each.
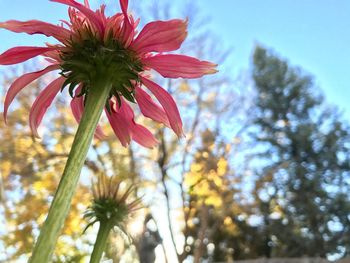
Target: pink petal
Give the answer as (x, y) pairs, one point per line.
(99, 134)
(37, 27)
(179, 66)
(21, 83)
(161, 36)
(168, 104)
(124, 6)
(91, 15)
(140, 134)
(119, 124)
(20, 54)
(124, 126)
(149, 108)
(143, 136)
(42, 102)
(77, 107)
(128, 29)
(114, 25)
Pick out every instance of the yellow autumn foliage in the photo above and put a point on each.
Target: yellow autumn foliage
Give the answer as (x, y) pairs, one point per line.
(206, 177)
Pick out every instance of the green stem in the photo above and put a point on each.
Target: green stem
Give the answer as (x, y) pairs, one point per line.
(101, 241)
(61, 203)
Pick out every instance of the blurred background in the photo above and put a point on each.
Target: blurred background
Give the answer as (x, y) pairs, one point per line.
(264, 170)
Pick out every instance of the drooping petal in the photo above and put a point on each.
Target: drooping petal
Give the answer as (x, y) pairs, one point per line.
(42, 102)
(77, 107)
(91, 15)
(168, 104)
(37, 27)
(179, 66)
(149, 108)
(139, 133)
(21, 83)
(143, 136)
(161, 36)
(125, 128)
(119, 124)
(20, 54)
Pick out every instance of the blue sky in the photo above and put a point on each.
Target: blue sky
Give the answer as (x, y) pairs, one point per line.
(314, 34)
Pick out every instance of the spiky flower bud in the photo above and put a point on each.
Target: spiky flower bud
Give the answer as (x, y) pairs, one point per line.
(111, 207)
(111, 201)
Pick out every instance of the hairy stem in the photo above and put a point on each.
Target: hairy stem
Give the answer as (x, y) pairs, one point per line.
(61, 203)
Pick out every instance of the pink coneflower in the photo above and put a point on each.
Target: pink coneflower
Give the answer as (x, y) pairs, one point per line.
(92, 44)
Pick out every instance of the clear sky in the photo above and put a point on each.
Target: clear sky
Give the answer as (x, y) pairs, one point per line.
(314, 34)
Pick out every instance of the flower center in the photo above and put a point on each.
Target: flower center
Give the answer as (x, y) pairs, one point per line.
(91, 58)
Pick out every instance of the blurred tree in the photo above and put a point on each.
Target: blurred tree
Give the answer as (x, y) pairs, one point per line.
(302, 159)
(204, 103)
(149, 239)
(218, 227)
(211, 202)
